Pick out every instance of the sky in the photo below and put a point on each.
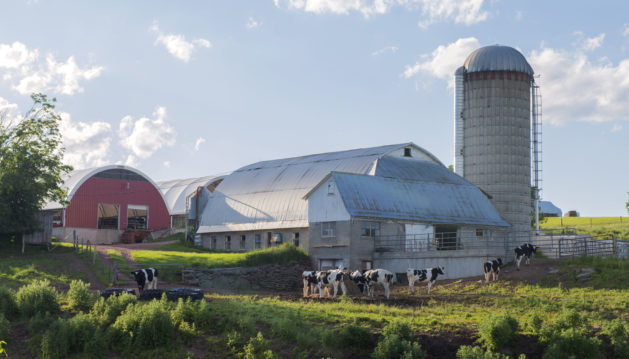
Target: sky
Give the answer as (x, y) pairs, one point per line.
(196, 88)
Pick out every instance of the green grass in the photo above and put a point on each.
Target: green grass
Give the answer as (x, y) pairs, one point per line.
(280, 255)
(121, 264)
(183, 247)
(618, 226)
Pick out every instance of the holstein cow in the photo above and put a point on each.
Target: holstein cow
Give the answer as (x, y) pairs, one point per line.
(146, 277)
(379, 276)
(423, 275)
(331, 278)
(360, 280)
(492, 267)
(524, 251)
(310, 282)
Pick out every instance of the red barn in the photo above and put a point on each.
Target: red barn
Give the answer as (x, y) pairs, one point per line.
(106, 201)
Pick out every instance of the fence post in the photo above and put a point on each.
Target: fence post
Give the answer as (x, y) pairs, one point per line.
(585, 244)
(615, 245)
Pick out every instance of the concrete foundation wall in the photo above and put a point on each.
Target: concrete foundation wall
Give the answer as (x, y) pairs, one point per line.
(288, 236)
(95, 236)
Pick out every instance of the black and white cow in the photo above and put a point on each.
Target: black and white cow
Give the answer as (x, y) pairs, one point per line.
(525, 251)
(492, 267)
(379, 276)
(331, 278)
(423, 275)
(360, 280)
(310, 282)
(146, 277)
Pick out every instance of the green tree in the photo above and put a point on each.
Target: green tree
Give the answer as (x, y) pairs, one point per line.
(31, 167)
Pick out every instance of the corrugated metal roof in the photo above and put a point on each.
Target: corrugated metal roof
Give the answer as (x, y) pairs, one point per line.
(176, 191)
(75, 179)
(419, 201)
(269, 194)
(550, 208)
(497, 58)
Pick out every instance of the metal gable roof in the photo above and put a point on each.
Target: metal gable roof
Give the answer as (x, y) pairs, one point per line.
(269, 194)
(429, 202)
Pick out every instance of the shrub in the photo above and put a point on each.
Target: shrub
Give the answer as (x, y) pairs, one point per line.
(142, 326)
(79, 334)
(80, 296)
(498, 332)
(187, 331)
(399, 328)
(393, 347)
(105, 311)
(469, 352)
(40, 323)
(4, 327)
(258, 348)
(8, 304)
(618, 337)
(570, 319)
(354, 337)
(571, 343)
(37, 297)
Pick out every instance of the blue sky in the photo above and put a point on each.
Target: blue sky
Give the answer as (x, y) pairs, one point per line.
(195, 88)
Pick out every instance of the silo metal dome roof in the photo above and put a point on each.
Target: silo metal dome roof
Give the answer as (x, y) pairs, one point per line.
(497, 58)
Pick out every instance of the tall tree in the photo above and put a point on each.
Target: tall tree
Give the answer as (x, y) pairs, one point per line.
(31, 168)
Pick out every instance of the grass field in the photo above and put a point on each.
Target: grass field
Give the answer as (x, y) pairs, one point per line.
(618, 226)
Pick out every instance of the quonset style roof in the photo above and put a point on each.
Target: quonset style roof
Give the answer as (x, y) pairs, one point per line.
(176, 191)
(73, 181)
(497, 58)
(549, 208)
(269, 194)
(422, 199)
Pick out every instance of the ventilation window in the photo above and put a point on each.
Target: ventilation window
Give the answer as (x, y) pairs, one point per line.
(108, 216)
(407, 152)
(258, 241)
(243, 241)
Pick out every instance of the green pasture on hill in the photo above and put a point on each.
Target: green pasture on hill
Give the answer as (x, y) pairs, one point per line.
(618, 226)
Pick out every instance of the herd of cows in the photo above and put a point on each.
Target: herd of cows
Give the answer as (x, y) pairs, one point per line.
(325, 281)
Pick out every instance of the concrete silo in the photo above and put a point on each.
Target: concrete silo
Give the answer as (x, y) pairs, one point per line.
(493, 129)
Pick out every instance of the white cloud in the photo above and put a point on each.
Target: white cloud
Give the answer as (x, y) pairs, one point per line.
(253, 24)
(145, 136)
(444, 60)
(177, 45)
(519, 15)
(197, 144)
(86, 144)
(590, 43)
(460, 11)
(617, 128)
(28, 74)
(391, 49)
(9, 113)
(625, 32)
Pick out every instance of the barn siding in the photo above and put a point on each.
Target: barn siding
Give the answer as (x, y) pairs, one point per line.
(82, 212)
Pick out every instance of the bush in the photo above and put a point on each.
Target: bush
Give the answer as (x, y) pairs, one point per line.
(469, 352)
(37, 297)
(393, 347)
(8, 304)
(40, 323)
(571, 343)
(79, 334)
(4, 327)
(396, 342)
(80, 296)
(353, 337)
(498, 332)
(142, 326)
(618, 337)
(258, 348)
(105, 311)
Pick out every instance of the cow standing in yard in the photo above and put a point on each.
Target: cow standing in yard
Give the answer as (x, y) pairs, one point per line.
(492, 267)
(360, 280)
(525, 251)
(423, 275)
(146, 277)
(379, 276)
(331, 278)
(310, 282)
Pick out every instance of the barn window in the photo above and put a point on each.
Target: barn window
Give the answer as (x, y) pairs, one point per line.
(268, 239)
(480, 233)
(328, 229)
(57, 218)
(228, 242)
(137, 217)
(407, 152)
(108, 216)
(446, 237)
(366, 265)
(296, 239)
(277, 239)
(258, 242)
(370, 229)
(243, 241)
(213, 242)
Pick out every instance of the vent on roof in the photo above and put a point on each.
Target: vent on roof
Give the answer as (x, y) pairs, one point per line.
(407, 152)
